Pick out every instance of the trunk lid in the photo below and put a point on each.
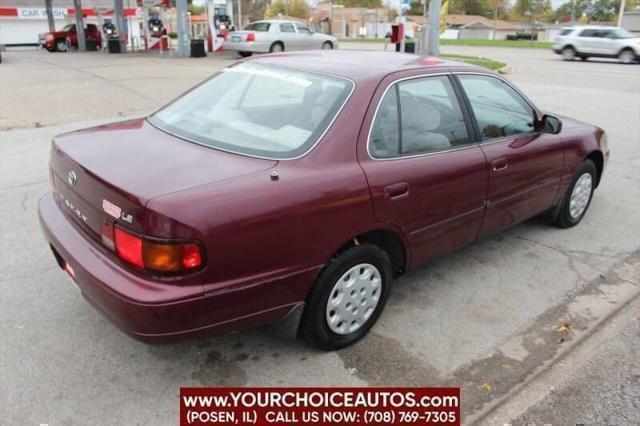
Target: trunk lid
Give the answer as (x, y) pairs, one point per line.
(109, 173)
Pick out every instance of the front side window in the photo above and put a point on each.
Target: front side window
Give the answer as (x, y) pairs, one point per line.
(588, 33)
(418, 116)
(620, 33)
(257, 110)
(287, 28)
(303, 29)
(499, 110)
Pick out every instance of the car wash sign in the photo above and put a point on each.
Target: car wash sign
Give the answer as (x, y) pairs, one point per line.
(39, 13)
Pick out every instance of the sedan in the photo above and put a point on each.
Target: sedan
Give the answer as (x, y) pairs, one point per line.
(277, 36)
(292, 189)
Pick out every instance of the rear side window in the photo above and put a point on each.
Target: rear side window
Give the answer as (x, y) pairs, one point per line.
(566, 32)
(499, 110)
(427, 113)
(287, 28)
(258, 26)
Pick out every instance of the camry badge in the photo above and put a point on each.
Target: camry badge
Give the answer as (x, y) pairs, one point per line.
(72, 178)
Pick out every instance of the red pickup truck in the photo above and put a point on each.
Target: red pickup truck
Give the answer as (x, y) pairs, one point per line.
(61, 40)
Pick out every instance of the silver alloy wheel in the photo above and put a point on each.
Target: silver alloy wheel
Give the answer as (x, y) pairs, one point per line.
(327, 45)
(568, 54)
(626, 57)
(277, 48)
(580, 195)
(61, 46)
(354, 298)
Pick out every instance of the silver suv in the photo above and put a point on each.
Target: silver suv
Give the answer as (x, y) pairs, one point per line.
(598, 42)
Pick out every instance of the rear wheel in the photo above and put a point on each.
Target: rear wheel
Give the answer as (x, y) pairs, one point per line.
(348, 297)
(61, 45)
(276, 47)
(583, 58)
(578, 197)
(568, 53)
(327, 45)
(627, 56)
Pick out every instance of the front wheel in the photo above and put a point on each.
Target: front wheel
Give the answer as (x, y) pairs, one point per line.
(327, 45)
(61, 45)
(627, 56)
(347, 298)
(578, 197)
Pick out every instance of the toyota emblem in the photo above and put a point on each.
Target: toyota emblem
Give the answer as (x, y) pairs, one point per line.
(72, 178)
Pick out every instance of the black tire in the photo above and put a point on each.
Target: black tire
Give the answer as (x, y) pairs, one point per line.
(245, 54)
(584, 58)
(564, 218)
(327, 45)
(314, 327)
(568, 53)
(627, 56)
(61, 45)
(276, 47)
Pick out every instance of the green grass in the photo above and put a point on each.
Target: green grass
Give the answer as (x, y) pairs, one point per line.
(498, 43)
(475, 60)
(472, 42)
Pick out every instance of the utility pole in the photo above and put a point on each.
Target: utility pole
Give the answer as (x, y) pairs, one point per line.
(49, 8)
(77, 11)
(239, 14)
(434, 27)
(621, 13)
(573, 10)
(183, 28)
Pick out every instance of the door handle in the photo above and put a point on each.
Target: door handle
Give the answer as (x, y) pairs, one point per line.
(499, 164)
(397, 190)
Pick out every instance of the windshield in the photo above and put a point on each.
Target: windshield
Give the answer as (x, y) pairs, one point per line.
(621, 33)
(257, 110)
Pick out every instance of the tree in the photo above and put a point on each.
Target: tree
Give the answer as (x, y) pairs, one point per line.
(416, 7)
(532, 10)
(360, 3)
(602, 10)
(296, 8)
(471, 7)
(563, 12)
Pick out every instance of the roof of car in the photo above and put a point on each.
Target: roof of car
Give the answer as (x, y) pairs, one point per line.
(355, 65)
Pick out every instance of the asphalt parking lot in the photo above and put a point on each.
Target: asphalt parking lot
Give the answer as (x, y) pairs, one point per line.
(487, 318)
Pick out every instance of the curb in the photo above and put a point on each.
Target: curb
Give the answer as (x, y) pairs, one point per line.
(504, 70)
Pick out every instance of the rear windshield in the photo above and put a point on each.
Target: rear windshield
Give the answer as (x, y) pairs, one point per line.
(258, 26)
(565, 32)
(257, 110)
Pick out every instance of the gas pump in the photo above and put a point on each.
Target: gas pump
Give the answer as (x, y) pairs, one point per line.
(153, 15)
(156, 26)
(220, 22)
(109, 28)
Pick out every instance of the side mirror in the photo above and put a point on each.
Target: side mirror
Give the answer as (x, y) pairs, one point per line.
(551, 124)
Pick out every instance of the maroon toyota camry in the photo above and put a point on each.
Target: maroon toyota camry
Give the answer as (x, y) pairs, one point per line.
(291, 189)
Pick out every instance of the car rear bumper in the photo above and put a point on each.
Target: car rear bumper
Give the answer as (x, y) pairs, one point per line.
(153, 311)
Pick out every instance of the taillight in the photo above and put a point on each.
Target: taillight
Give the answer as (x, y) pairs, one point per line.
(156, 255)
(251, 37)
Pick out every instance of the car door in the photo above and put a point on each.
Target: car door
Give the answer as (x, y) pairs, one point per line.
(426, 174)
(524, 164)
(305, 37)
(287, 33)
(587, 42)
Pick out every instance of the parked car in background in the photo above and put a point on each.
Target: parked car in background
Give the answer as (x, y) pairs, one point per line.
(60, 41)
(598, 42)
(293, 188)
(277, 36)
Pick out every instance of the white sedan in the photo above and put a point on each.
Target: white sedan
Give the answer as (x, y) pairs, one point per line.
(277, 36)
